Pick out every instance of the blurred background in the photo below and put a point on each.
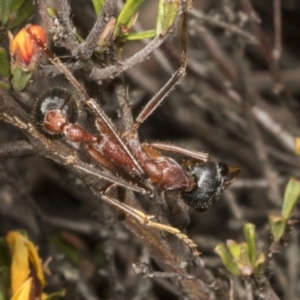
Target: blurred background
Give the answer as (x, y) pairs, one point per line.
(239, 102)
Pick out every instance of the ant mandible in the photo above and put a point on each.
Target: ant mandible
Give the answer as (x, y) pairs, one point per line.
(200, 182)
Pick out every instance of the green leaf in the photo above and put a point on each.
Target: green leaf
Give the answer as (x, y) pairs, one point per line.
(51, 12)
(4, 63)
(98, 4)
(72, 254)
(278, 225)
(60, 294)
(4, 10)
(227, 260)
(23, 13)
(15, 5)
(243, 263)
(4, 283)
(139, 35)
(291, 195)
(20, 79)
(126, 16)
(244, 258)
(167, 13)
(234, 248)
(259, 262)
(249, 233)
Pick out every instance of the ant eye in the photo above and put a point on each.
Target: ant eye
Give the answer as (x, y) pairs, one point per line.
(55, 99)
(223, 168)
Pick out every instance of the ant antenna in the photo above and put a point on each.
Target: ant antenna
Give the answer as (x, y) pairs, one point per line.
(56, 61)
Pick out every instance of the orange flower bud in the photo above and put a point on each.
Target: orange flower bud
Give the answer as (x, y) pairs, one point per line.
(23, 48)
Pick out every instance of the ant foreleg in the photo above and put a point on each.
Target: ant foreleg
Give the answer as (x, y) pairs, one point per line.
(175, 79)
(144, 219)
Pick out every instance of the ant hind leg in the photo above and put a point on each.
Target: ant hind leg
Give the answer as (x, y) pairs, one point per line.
(144, 219)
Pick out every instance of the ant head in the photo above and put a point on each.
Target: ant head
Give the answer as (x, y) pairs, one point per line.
(53, 110)
(211, 179)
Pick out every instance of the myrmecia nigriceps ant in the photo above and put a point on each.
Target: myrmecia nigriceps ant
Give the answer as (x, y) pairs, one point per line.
(140, 167)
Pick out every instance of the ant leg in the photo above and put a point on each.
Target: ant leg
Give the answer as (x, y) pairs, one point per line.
(87, 169)
(146, 219)
(175, 79)
(178, 150)
(107, 164)
(105, 126)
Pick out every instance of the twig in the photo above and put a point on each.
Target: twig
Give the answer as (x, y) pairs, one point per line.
(93, 72)
(124, 102)
(88, 46)
(110, 72)
(277, 49)
(146, 271)
(273, 127)
(217, 54)
(258, 142)
(16, 149)
(60, 26)
(230, 27)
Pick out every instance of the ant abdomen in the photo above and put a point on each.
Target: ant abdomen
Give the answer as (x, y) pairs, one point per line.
(211, 179)
(57, 103)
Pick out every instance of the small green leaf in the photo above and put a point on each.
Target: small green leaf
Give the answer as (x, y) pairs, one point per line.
(167, 13)
(51, 12)
(20, 79)
(244, 257)
(4, 11)
(278, 225)
(249, 233)
(149, 34)
(234, 248)
(244, 264)
(61, 293)
(126, 15)
(227, 260)
(72, 254)
(259, 262)
(4, 63)
(291, 195)
(98, 4)
(23, 13)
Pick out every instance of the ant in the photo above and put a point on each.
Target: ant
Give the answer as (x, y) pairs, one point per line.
(139, 167)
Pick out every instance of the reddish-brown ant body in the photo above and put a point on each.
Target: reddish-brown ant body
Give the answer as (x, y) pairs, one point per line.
(201, 183)
(140, 167)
